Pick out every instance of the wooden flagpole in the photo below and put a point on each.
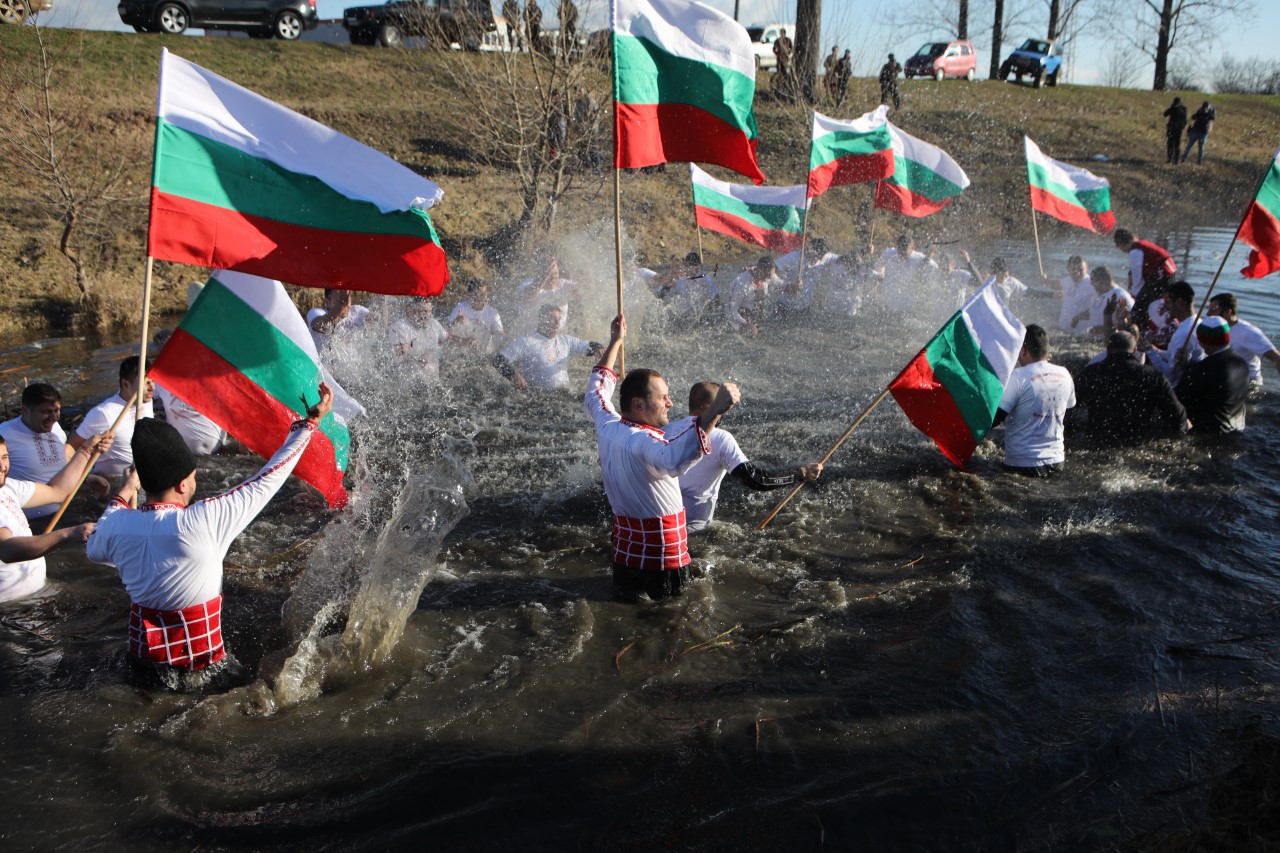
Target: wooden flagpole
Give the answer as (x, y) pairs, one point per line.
(142, 349)
(93, 460)
(617, 212)
(1035, 230)
(696, 227)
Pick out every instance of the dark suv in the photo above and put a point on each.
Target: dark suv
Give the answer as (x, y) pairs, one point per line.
(286, 19)
(441, 22)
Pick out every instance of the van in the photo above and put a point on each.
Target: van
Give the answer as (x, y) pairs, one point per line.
(942, 59)
(762, 38)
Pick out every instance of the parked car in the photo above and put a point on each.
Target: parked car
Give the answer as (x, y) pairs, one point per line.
(942, 59)
(17, 11)
(441, 22)
(762, 38)
(1037, 59)
(285, 19)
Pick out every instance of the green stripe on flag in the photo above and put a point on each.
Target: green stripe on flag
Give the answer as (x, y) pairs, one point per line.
(1269, 192)
(774, 217)
(922, 180)
(844, 143)
(267, 357)
(958, 363)
(1094, 201)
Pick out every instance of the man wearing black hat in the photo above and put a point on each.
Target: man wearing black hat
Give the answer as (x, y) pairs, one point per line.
(1214, 389)
(169, 551)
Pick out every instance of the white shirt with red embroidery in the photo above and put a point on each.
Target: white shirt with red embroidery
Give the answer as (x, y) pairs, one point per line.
(18, 579)
(170, 557)
(34, 456)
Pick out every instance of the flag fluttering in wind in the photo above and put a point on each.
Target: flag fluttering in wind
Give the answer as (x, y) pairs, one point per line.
(772, 217)
(924, 178)
(849, 152)
(1261, 225)
(1074, 195)
(244, 358)
(684, 86)
(951, 390)
(242, 183)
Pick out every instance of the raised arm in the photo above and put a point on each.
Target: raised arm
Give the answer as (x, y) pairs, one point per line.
(617, 333)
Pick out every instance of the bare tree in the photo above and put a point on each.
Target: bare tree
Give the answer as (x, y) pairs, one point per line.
(997, 37)
(1121, 69)
(1254, 76)
(1173, 22)
(804, 61)
(962, 20)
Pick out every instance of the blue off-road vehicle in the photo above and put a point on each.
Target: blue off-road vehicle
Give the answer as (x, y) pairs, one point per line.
(1037, 59)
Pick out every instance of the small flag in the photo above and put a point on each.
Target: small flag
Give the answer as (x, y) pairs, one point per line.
(1074, 195)
(1261, 226)
(772, 217)
(924, 178)
(849, 152)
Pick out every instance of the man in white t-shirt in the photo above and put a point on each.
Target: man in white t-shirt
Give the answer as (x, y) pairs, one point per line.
(700, 485)
(1077, 296)
(22, 570)
(692, 293)
(797, 291)
(338, 317)
(1004, 281)
(1111, 304)
(1248, 341)
(102, 416)
(541, 360)
(1179, 299)
(37, 444)
(474, 322)
(909, 277)
(418, 336)
(1035, 400)
(749, 296)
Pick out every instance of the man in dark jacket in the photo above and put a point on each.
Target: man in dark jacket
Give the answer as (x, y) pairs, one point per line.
(1177, 122)
(1214, 389)
(1129, 402)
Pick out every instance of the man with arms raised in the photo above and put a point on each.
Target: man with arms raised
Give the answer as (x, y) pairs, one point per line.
(641, 469)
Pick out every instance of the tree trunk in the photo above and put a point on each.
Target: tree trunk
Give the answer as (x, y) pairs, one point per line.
(962, 25)
(808, 45)
(1055, 9)
(1161, 80)
(997, 36)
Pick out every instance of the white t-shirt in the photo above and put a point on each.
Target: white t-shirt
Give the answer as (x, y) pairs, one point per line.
(1166, 359)
(745, 295)
(1251, 344)
(1008, 288)
(201, 435)
(905, 281)
(1036, 398)
(420, 343)
(796, 294)
(1098, 308)
(35, 456)
(483, 327)
(543, 361)
(99, 420)
(689, 297)
(700, 485)
(355, 319)
(18, 579)
(1077, 298)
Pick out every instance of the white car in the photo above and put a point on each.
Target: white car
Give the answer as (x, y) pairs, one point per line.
(762, 38)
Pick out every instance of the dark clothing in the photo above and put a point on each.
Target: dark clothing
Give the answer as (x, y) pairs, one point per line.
(1201, 123)
(1048, 469)
(760, 479)
(889, 83)
(1177, 116)
(1214, 391)
(1129, 402)
(653, 583)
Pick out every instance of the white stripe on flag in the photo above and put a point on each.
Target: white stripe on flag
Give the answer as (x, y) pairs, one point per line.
(865, 123)
(794, 196)
(687, 30)
(1065, 174)
(998, 332)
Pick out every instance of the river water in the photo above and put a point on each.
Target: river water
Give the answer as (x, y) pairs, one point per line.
(909, 657)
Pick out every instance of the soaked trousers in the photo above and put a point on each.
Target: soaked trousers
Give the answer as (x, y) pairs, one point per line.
(655, 583)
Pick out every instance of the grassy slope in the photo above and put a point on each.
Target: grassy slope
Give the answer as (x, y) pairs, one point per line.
(395, 103)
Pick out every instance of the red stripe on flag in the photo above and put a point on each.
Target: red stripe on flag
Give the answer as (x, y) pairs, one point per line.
(215, 388)
(930, 406)
(191, 232)
(1050, 205)
(650, 134)
(854, 169)
(904, 201)
(734, 226)
(1261, 231)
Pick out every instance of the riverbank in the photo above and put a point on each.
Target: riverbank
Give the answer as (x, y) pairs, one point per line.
(105, 83)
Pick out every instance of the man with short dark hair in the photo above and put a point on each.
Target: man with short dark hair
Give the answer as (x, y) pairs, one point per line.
(641, 469)
(749, 296)
(1248, 341)
(1129, 402)
(37, 444)
(1151, 269)
(1183, 346)
(1035, 401)
(1214, 389)
(103, 415)
(338, 316)
(541, 360)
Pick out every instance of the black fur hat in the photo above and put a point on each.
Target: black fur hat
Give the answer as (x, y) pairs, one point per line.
(160, 455)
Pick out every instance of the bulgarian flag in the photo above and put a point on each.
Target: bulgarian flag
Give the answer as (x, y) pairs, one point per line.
(243, 357)
(684, 83)
(951, 390)
(850, 152)
(1074, 195)
(924, 178)
(1261, 226)
(241, 183)
(772, 217)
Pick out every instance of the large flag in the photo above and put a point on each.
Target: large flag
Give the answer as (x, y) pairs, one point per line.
(243, 357)
(951, 390)
(684, 83)
(772, 217)
(924, 178)
(242, 183)
(1074, 195)
(1261, 226)
(850, 152)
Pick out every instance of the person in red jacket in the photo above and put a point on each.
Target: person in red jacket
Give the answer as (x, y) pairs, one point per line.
(1151, 270)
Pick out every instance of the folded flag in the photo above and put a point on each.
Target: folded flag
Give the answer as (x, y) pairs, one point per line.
(951, 390)
(242, 183)
(1261, 225)
(684, 87)
(849, 152)
(1074, 195)
(243, 357)
(924, 178)
(772, 217)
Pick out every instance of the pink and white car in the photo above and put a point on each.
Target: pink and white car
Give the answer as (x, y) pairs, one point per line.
(942, 59)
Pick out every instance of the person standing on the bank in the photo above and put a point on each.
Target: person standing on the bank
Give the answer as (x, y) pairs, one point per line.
(829, 73)
(889, 83)
(844, 70)
(533, 25)
(1201, 124)
(782, 48)
(641, 469)
(1177, 122)
(1151, 270)
(511, 15)
(1034, 404)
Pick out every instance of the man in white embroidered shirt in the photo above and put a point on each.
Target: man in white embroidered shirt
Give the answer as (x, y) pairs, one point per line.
(641, 469)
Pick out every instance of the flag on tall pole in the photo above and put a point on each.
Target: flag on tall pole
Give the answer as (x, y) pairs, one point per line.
(1261, 225)
(924, 178)
(242, 183)
(951, 390)
(849, 152)
(772, 217)
(1074, 195)
(684, 85)
(244, 358)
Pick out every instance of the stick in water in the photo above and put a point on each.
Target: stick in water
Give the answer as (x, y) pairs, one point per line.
(88, 469)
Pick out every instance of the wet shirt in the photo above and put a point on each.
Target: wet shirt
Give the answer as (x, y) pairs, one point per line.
(1036, 399)
(1166, 360)
(1128, 401)
(356, 315)
(700, 485)
(543, 361)
(482, 327)
(1077, 298)
(34, 456)
(18, 579)
(1214, 391)
(1105, 303)
(1248, 341)
(99, 420)
(421, 343)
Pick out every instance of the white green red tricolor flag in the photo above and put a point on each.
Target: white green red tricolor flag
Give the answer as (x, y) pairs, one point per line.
(1261, 226)
(1074, 195)
(243, 357)
(849, 152)
(772, 217)
(684, 86)
(242, 183)
(924, 178)
(951, 390)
